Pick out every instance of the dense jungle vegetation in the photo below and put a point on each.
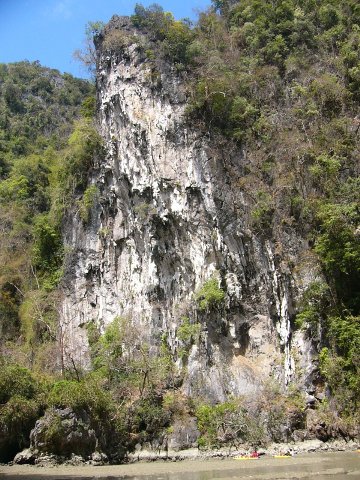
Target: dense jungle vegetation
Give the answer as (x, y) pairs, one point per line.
(47, 143)
(46, 149)
(279, 80)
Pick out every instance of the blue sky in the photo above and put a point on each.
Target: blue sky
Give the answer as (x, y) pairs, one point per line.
(50, 30)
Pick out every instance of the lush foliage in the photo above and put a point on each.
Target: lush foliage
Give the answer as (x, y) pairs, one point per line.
(339, 363)
(222, 423)
(210, 294)
(87, 202)
(313, 307)
(44, 162)
(126, 362)
(271, 416)
(20, 406)
(188, 334)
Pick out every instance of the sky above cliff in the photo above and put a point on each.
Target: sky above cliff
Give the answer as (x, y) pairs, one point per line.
(50, 30)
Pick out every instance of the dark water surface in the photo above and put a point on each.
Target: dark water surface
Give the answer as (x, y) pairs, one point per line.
(318, 466)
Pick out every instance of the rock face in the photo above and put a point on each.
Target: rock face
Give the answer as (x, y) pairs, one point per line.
(64, 433)
(171, 214)
(185, 435)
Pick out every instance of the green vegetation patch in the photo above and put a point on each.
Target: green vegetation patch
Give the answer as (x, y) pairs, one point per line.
(210, 294)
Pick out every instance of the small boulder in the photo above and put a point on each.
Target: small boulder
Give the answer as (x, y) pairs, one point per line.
(310, 401)
(48, 460)
(27, 456)
(98, 458)
(75, 460)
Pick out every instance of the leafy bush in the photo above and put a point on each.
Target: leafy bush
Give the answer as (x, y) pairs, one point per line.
(313, 307)
(242, 116)
(188, 334)
(85, 143)
(325, 170)
(16, 381)
(149, 418)
(19, 408)
(88, 107)
(38, 316)
(17, 418)
(328, 94)
(14, 188)
(116, 41)
(338, 245)
(87, 202)
(122, 358)
(175, 36)
(282, 413)
(152, 18)
(210, 294)
(350, 56)
(48, 247)
(87, 395)
(263, 211)
(10, 299)
(227, 423)
(177, 41)
(13, 98)
(340, 364)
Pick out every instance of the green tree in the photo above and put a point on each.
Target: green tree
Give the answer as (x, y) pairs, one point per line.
(87, 55)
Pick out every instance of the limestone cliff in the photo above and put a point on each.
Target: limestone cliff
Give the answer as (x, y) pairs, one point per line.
(171, 214)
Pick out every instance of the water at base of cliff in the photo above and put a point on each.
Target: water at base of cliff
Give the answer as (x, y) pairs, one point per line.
(319, 466)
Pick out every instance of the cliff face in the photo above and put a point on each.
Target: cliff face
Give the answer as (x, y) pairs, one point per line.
(171, 214)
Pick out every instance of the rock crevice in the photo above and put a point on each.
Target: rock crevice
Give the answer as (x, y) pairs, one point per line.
(171, 215)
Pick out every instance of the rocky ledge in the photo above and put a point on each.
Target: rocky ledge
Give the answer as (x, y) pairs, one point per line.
(34, 457)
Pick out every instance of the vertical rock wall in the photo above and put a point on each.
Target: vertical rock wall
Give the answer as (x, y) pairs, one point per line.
(170, 216)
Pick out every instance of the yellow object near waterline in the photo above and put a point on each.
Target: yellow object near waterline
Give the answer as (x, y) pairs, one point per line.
(246, 458)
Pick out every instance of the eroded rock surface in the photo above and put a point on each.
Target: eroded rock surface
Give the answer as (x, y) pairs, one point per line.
(171, 215)
(64, 433)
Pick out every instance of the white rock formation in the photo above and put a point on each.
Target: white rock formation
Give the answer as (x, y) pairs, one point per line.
(171, 214)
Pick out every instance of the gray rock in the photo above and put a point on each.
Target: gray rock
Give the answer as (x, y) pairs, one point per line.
(184, 435)
(27, 456)
(171, 214)
(99, 458)
(44, 460)
(310, 401)
(63, 432)
(301, 435)
(75, 460)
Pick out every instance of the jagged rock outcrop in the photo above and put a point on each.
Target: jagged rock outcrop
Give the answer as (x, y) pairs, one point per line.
(172, 214)
(73, 436)
(63, 432)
